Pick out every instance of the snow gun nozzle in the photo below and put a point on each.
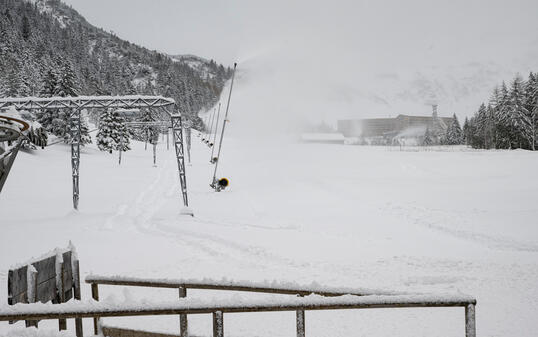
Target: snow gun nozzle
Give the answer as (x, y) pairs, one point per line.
(220, 184)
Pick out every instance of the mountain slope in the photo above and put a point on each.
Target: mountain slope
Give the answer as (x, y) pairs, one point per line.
(47, 48)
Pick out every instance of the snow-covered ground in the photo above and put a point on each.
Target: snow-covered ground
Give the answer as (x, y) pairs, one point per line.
(455, 221)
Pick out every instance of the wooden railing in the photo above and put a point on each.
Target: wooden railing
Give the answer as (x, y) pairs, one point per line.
(219, 308)
(362, 299)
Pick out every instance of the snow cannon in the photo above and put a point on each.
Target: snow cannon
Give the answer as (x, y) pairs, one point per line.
(222, 184)
(210, 144)
(214, 160)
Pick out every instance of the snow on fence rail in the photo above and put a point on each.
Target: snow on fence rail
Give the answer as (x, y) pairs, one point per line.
(271, 287)
(219, 307)
(318, 298)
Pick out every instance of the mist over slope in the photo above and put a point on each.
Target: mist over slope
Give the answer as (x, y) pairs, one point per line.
(355, 60)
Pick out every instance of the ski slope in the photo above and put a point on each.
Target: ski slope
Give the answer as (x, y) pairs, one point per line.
(458, 221)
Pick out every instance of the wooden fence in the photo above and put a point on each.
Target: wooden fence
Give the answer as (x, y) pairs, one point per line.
(372, 300)
(53, 278)
(219, 308)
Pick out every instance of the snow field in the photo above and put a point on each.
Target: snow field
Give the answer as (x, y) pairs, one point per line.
(351, 216)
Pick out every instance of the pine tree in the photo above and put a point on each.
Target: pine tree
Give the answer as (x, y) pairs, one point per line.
(113, 133)
(531, 105)
(50, 83)
(467, 131)
(107, 136)
(25, 29)
(67, 84)
(427, 139)
(518, 114)
(454, 134)
(124, 135)
(482, 127)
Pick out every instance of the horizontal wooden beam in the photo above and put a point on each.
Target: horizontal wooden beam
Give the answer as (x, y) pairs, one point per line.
(231, 286)
(94, 309)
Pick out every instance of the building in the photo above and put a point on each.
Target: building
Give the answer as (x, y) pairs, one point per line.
(388, 130)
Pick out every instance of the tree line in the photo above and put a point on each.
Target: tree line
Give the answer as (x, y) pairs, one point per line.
(56, 52)
(509, 120)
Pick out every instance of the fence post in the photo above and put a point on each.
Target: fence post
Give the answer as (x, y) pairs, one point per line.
(33, 281)
(470, 322)
(76, 280)
(218, 324)
(300, 323)
(183, 323)
(62, 323)
(95, 296)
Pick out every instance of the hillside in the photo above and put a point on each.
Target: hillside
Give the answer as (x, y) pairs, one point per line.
(47, 48)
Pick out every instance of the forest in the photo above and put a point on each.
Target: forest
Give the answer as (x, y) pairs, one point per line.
(48, 49)
(509, 120)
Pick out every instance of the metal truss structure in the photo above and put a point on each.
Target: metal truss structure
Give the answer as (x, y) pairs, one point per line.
(177, 131)
(76, 104)
(87, 102)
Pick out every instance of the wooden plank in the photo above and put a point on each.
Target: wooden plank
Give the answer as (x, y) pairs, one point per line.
(17, 285)
(232, 287)
(183, 323)
(46, 269)
(67, 277)
(120, 332)
(33, 275)
(46, 291)
(58, 311)
(62, 323)
(470, 321)
(79, 331)
(95, 296)
(300, 323)
(218, 324)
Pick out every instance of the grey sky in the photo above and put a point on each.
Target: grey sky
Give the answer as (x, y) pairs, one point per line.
(225, 29)
(371, 57)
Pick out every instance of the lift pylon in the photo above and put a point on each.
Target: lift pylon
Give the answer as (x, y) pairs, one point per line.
(75, 105)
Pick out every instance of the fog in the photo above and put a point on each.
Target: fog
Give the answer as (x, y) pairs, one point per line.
(318, 61)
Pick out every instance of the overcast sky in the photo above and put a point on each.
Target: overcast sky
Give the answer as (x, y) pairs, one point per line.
(229, 30)
(369, 57)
